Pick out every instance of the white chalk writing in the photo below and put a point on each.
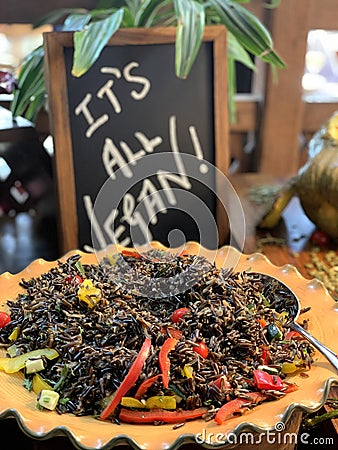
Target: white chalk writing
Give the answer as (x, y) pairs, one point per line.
(155, 195)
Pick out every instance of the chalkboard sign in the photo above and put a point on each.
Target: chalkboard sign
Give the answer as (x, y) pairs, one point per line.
(135, 146)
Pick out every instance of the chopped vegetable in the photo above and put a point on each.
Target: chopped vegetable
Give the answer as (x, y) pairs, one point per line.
(288, 367)
(161, 401)
(14, 334)
(39, 384)
(160, 415)
(129, 380)
(11, 365)
(142, 389)
(131, 254)
(164, 361)
(291, 387)
(131, 402)
(293, 335)
(78, 266)
(238, 405)
(187, 371)
(4, 319)
(263, 323)
(48, 399)
(178, 314)
(34, 365)
(229, 409)
(265, 381)
(222, 383)
(174, 332)
(202, 349)
(74, 279)
(269, 369)
(13, 350)
(273, 332)
(88, 293)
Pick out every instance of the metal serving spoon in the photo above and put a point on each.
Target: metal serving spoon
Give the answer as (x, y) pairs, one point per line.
(282, 298)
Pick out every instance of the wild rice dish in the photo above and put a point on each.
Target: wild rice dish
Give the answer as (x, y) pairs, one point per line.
(102, 348)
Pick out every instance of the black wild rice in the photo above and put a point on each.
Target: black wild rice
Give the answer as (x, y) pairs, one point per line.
(98, 345)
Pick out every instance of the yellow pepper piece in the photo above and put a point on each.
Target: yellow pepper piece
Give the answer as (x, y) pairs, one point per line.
(88, 293)
(187, 371)
(289, 367)
(161, 401)
(39, 384)
(14, 334)
(131, 402)
(11, 365)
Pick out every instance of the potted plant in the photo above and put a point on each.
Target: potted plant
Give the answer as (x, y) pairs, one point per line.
(93, 28)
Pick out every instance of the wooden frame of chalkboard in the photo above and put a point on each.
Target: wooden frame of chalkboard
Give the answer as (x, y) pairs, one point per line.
(69, 155)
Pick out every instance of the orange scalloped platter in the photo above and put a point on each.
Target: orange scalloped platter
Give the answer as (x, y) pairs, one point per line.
(88, 433)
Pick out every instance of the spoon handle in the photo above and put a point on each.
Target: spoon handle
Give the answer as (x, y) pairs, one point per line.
(329, 354)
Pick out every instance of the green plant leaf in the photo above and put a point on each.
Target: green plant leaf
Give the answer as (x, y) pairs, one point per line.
(133, 6)
(189, 34)
(35, 105)
(238, 53)
(30, 82)
(248, 30)
(89, 42)
(55, 16)
(76, 22)
(128, 19)
(164, 15)
(146, 12)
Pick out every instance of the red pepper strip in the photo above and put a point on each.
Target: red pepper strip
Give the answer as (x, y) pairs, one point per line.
(164, 361)
(291, 387)
(178, 314)
(129, 380)
(161, 415)
(222, 383)
(229, 409)
(131, 254)
(174, 332)
(264, 380)
(293, 335)
(238, 405)
(265, 355)
(142, 389)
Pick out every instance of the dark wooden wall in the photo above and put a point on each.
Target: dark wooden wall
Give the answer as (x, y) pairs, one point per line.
(27, 11)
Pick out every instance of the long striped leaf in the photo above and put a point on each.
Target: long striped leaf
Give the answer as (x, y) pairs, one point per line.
(30, 82)
(55, 16)
(248, 30)
(89, 42)
(147, 9)
(75, 22)
(238, 52)
(189, 34)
